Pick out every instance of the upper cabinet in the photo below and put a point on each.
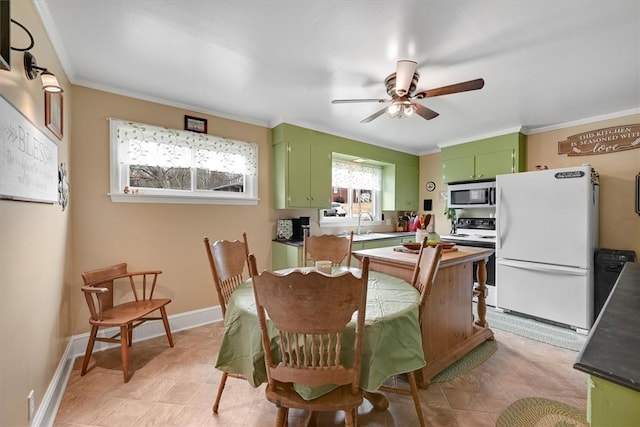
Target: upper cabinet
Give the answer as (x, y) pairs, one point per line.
(484, 159)
(302, 169)
(302, 175)
(400, 188)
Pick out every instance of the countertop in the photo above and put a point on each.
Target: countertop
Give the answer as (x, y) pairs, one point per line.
(612, 350)
(378, 235)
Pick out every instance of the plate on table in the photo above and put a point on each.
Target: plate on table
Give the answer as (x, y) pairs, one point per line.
(446, 245)
(414, 246)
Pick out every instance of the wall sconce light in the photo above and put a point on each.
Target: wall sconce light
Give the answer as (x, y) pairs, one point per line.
(31, 70)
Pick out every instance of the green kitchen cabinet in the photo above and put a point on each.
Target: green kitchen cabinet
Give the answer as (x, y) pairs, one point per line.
(460, 169)
(484, 159)
(290, 256)
(302, 161)
(302, 175)
(406, 188)
(285, 256)
(400, 188)
(490, 165)
(610, 404)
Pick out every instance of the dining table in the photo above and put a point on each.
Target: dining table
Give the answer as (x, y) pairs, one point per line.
(392, 342)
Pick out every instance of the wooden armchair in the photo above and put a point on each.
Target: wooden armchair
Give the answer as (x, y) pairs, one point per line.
(327, 247)
(99, 290)
(227, 260)
(424, 275)
(310, 312)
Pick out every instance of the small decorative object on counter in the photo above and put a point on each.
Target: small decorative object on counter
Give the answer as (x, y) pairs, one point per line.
(433, 238)
(284, 229)
(420, 233)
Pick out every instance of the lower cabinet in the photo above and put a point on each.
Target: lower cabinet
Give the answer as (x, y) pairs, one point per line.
(285, 256)
(289, 256)
(610, 404)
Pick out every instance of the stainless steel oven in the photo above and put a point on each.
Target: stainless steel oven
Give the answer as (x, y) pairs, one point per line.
(472, 195)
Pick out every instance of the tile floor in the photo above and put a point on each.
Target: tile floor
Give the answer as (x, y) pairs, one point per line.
(177, 387)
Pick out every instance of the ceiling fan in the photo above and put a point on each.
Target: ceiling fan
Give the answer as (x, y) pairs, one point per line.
(401, 86)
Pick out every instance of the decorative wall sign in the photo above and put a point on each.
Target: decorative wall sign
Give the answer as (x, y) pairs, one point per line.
(195, 124)
(28, 159)
(602, 141)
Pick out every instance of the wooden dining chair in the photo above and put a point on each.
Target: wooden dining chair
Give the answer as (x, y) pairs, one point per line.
(424, 275)
(327, 247)
(425, 271)
(105, 312)
(310, 312)
(227, 260)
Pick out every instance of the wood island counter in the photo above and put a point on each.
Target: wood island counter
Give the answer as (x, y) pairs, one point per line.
(448, 328)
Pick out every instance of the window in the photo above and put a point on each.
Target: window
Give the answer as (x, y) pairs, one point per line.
(356, 190)
(161, 165)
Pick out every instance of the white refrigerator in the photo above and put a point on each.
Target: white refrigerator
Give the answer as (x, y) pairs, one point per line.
(547, 234)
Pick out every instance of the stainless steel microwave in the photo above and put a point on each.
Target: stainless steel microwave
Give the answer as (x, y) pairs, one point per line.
(472, 195)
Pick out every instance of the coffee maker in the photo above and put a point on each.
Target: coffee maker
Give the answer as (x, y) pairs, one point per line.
(299, 224)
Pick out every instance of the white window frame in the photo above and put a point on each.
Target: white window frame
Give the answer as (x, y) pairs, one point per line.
(329, 221)
(119, 170)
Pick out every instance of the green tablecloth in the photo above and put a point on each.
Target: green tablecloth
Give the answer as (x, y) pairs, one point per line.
(392, 341)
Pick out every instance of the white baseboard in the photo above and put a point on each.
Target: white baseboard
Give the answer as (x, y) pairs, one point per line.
(46, 413)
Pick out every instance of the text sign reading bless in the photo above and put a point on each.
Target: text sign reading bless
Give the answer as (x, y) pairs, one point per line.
(602, 141)
(28, 159)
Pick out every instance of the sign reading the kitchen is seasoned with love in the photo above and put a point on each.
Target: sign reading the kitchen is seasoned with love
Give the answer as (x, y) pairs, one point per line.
(602, 141)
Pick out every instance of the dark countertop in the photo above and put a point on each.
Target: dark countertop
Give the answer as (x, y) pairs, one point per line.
(388, 234)
(612, 350)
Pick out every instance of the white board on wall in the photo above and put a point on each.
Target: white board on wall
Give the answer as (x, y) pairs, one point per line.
(28, 159)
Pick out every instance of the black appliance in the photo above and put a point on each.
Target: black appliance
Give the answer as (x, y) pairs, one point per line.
(608, 265)
(299, 224)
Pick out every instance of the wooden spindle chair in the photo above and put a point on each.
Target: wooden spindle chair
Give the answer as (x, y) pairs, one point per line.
(424, 275)
(327, 247)
(310, 312)
(227, 260)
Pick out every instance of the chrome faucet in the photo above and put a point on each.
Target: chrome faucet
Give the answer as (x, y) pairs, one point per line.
(360, 217)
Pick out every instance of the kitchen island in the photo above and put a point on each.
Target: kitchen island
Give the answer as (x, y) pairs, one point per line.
(447, 324)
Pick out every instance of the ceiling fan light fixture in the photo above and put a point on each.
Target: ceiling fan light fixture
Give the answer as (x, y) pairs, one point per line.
(393, 109)
(409, 109)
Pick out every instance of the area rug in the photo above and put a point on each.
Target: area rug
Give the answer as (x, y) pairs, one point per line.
(473, 359)
(536, 330)
(540, 412)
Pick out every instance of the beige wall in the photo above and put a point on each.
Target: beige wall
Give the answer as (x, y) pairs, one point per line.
(164, 236)
(619, 224)
(35, 250)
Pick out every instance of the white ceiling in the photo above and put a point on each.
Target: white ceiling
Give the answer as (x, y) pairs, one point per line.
(545, 63)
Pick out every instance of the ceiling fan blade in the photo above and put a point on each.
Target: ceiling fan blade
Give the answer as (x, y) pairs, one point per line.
(374, 116)
(455, 88)
(404, 75)
(425, 112)
(352, 101)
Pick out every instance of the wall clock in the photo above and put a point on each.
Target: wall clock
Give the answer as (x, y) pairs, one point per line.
(431, 186)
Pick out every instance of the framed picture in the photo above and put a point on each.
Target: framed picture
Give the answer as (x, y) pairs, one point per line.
(5, 43)
(195, 124)
(53, 113)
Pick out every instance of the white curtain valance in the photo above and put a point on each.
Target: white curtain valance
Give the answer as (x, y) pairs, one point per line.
(158, 146)
(356, 176)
